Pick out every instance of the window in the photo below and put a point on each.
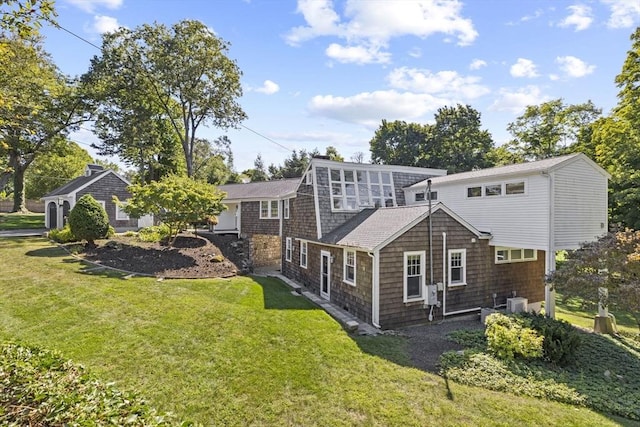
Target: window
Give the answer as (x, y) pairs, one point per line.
(493, 190)
(419, 197)
(269, 209)
(120, 214)
(308, 178)
(474, 192)
(414, 268)
(422, 197)
(349, 273)
(505, 255)
(354, 189)
(457, 267)
(288, 249)
(286, 208)
(514, 188)
(303, 254)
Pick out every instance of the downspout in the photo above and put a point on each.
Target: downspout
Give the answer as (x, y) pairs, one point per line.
(550, 256)
(375, 290)
(430, 234)
(444, 274)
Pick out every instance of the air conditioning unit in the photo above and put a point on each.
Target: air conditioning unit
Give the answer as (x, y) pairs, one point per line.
(517, 305)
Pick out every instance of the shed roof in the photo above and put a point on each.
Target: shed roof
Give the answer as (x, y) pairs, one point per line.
(373, 229)
(516, 169)
(261, 190)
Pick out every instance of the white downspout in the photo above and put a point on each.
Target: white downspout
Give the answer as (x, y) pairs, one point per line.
(444, 274)
(375, 290)
(550, 258)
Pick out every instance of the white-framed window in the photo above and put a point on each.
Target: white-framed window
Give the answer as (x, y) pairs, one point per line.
(474, 191)
(288, 249)
(308, 178)
(508, 188)
(422, 197)
(353, 189)
(286, 208)
(507, 255)
(511, 188)
(303, 254)
(457, 267)
(349, 271)
(493, 190)
(414, 275)
(121, 215)
(269, 209)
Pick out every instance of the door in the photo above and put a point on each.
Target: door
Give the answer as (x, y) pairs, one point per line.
(52, 209)
(325, 275)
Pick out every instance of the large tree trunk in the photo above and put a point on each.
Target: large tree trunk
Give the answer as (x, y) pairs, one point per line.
(19, 202)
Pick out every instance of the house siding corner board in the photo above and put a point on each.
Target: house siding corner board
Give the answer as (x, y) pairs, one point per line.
(104, 189)
(252, 224)
(580, 205)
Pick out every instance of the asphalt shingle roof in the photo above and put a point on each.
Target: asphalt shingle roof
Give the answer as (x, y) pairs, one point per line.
(260, 190)
(75, 184)
(372, 227)
(520, 168)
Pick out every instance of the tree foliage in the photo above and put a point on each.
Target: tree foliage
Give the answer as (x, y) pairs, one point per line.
(176, 201)
(55, 168)
(24, 18)
(39, 108)
(259, 172)
(88, 220)
(174, 79)
(454, 142)
(612, 262)
(295, 165)
(551, 129)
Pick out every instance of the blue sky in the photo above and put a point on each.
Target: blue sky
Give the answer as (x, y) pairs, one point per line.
(320, 72)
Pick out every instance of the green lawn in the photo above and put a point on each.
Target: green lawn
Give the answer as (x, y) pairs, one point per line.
(14, 221)
(573, 311)
(237, 352)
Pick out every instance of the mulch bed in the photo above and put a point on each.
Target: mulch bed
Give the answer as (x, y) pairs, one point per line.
(191, 256)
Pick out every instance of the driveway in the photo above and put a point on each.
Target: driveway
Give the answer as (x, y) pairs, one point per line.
(23, 233)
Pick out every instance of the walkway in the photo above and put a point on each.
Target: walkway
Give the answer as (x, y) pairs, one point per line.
(346, 319)
(39, 232)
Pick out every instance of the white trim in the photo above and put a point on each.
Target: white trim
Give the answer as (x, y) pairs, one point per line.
(288, 250)
(422, 266)
(103, 204)
(345, 254)
(463, 265)
(286, 208)
(510, 259)
(120, 214)
(270, 209)
(316, 200)
(327, 255)
(357, 199)
(304, 244)
(369, 166)
(375, 288)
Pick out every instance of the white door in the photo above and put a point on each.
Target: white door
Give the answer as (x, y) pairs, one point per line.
(227, 220)
(325, 275)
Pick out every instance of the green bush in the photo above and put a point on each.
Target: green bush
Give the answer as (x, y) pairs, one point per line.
(88, 220)
(561, 339)
(62, 235)
(39, 387)
(508, 337)
(154, 233)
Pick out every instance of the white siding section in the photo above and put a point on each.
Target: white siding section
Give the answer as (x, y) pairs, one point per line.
(580, 204)
(520, 221)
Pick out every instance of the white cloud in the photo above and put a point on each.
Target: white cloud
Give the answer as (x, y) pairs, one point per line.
(268, 88)
(517, 101)
(476, 64)
(90, 6)
(329, 138)
(574, 67)
(447, 84)
(374, 24)
(624, 13)
(581, 17)
(524, 68)
(357, 54)
(369, 108)
(415, 52)
(104, 24)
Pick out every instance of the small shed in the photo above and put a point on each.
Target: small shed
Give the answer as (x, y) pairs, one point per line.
(102, 184)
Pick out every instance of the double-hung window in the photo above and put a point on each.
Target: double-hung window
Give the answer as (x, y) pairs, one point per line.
(414, 275)
(269, 209)
(303, 254)
(457, 267)
(288, 249)
(349, 273)
(121, 215)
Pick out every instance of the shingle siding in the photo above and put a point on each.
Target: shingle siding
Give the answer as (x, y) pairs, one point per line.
(252, 224)
(403, 179)
(104, 189)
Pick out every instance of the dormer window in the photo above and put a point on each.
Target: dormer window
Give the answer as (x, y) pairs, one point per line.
(357, 189)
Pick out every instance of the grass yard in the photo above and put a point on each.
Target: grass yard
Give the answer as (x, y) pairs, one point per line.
(573, 312)
(14, 221)
(237, 352)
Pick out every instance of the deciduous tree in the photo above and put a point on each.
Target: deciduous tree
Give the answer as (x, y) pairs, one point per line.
(24, 18)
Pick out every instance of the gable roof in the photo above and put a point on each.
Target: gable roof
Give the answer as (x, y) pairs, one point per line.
(372, 229)
(261, 190)
(546, 165)
(79, 183)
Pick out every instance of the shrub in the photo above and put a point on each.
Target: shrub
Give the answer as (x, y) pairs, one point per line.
(63, 235)
(561, 339)
(39, 387)
(88, 220)
(507, 337)
(154, 233)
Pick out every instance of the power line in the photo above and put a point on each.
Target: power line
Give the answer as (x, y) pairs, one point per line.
(60, 27)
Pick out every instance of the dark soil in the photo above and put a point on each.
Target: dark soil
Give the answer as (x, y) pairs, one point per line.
(190, 256)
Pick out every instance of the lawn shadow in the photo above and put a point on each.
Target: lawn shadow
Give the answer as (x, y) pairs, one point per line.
(52, 252)
(278, 296)
(393, 348)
